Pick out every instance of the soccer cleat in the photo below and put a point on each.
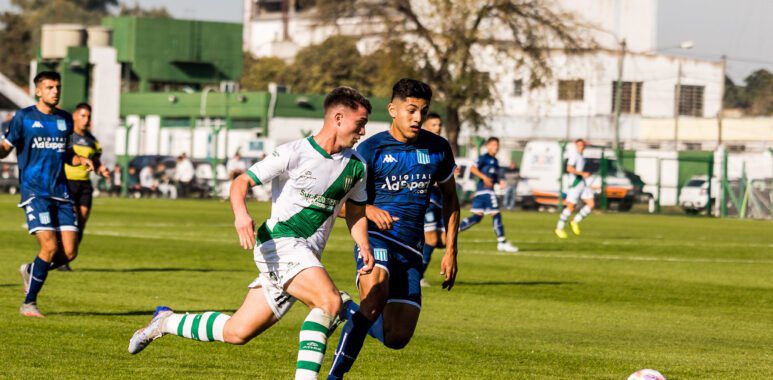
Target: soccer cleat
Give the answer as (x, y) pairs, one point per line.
(343, 314)
(505, 246)
(30, 310)
(560, 233)
(24, 271)
(424, 283)
(64, 268)
(575, 228)
(144, 336)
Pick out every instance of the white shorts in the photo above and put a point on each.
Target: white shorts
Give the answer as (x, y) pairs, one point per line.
(579, 191)
(279, 261)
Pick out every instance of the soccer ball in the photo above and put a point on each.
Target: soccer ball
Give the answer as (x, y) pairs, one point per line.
(646, 374)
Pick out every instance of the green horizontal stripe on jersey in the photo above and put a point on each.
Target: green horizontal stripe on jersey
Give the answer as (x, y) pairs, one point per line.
(254, 178)
(307, 221)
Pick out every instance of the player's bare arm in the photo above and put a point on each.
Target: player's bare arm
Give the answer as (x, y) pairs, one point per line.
(5, 149)
(486, 180)
(451, 215)
(358, 226)
(78, 161)
(383, 219)
(245, 226)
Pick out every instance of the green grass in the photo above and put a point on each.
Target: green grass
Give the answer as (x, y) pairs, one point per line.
(691, 297)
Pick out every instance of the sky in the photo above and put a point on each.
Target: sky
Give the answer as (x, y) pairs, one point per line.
(739, 29)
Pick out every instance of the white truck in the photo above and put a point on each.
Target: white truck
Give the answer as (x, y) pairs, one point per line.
(543, 177)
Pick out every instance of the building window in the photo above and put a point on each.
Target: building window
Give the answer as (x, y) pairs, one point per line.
(175, 122)
(630, 101)
(571, 90)
(691, 100)
(245, 123)
(518, 88)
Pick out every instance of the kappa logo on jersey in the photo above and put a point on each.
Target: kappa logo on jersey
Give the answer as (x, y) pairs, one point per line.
(45, 218)
(389, 159)
(37, 125)
(380, 254)
(61, 125)
(31, 217)
(422, 156)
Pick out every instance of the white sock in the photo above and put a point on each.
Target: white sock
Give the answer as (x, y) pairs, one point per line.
(205, 327)
(565, 214)
(313, 337)
(584, 212)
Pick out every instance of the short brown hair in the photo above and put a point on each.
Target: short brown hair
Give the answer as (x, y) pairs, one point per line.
(346, 96)
(43, 75)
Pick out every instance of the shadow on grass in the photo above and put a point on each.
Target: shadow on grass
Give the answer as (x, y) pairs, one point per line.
(516, 283)
(8, 285)
(147, 312)
(131, 270)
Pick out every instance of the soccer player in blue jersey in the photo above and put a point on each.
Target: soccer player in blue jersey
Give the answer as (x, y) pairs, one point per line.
(434, 229)
(40, 134)
(403, 164)
(485, 201)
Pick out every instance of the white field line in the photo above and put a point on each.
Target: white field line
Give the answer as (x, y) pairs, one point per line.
(619, 258)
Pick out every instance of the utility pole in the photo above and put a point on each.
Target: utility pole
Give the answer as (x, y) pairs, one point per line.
(720, 114)
(619, 96)
(677, 103)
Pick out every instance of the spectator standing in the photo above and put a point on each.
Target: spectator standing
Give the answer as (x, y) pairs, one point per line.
(184, 175)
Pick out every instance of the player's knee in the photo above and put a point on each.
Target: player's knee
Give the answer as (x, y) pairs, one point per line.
(237, 335)
(331, 303)
(397, 340)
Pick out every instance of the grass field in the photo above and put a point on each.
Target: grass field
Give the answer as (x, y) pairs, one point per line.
(691, 297)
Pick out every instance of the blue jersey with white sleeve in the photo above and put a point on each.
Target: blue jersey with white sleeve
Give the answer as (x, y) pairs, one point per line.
(399, 180)
(41, 143)
(488, 165)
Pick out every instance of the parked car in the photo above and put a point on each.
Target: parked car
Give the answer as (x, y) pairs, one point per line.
(695, 194)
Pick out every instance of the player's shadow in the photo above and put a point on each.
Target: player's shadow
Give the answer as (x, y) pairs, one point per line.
(123, 313)
(8, 285)
(135, 270)
(516, 283)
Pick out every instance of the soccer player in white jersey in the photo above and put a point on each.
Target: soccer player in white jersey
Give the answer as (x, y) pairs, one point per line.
(312, 178)
(579, 189)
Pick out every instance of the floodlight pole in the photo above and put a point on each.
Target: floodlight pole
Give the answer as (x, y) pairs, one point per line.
(619, 96)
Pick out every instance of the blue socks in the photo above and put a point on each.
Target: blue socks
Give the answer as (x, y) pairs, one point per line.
(39, 273)
(499, 227)
(470, 221)
(352, 338)
(376, 331)
(426, 256)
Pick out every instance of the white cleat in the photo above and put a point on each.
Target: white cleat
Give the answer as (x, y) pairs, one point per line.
(505, 246)
(25, 276)
(30, 310)
(144, 336)
(424, 283)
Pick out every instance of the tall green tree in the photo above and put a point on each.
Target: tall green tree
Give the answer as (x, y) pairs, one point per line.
(759, 90)
(446, 39)
(259, 72)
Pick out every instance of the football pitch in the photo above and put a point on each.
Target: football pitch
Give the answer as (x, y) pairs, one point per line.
(689, 296)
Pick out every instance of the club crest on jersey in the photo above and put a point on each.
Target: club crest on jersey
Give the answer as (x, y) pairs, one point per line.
(422, 156)
(380, 254)
(61, 125)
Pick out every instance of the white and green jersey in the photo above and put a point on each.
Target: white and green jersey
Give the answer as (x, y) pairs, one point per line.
(308, 188)
(578, 161)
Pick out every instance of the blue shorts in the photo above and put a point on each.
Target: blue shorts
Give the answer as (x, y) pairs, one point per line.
(46, 214)
(433, 219)
(485, 202)
(403, 266)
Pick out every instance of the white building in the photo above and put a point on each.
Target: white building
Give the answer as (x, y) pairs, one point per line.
(580, 100)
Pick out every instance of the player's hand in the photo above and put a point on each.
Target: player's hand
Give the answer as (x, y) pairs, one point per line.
(383, 219)
(104, 172)
(585, 174)
(367, 259)
(87, 162)
(448, 269)
(245, 228)
(487, 182)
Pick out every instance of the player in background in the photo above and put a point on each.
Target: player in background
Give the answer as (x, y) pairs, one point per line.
(78, 182)
(485, 202)
(578, 189)
(41, 134)
(434, 229)
(403, 164)
(311, 180)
